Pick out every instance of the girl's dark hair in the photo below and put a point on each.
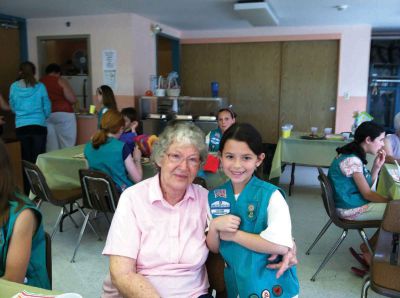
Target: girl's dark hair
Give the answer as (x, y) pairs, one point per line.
(233, 114)
(131, 114)
(27, 72)
(7, 185)
(107, 96)
(111, 122)
(366, 129)
(53, 67)
(243, 132)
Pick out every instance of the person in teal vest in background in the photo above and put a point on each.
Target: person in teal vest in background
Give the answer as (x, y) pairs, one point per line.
(22, 238)
(225, 117)
(250, 221)
(107, 154)
(352, 182)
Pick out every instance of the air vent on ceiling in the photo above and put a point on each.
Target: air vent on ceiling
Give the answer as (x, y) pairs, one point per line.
(257, 13)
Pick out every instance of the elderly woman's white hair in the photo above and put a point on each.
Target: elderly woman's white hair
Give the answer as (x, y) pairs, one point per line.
(396, 122)
(183, 133)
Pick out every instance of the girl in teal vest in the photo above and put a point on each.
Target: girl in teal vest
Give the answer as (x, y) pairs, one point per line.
(107, 154)
(22, 238)
(225, 117)
(250, 221)
(105, 97)
(352, 181)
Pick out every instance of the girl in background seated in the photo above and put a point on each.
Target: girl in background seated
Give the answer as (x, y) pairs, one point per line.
(225, 117)
(250, 221)
(392, 142)
(22, 238)
(352, 181)
(108, 154)
(131, 128)
(106, 98)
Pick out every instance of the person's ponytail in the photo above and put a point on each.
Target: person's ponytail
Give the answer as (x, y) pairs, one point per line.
(99, 138)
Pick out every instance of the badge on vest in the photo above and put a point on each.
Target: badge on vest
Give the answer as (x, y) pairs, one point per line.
(250, 211)
(265, 294)
(219, 208)
(220, 193)
(277, 290)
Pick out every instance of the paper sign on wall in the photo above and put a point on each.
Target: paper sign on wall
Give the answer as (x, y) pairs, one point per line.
(110, 68)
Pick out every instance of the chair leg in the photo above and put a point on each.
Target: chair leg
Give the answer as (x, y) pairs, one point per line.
(80, 236)
(109, 221)
(365, 239)
(326, 226)
(365, 287)
(330, 254)
(90, 225)
(71, 218)
(57, 223)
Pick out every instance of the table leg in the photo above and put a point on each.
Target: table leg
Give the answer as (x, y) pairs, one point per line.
(292, 178)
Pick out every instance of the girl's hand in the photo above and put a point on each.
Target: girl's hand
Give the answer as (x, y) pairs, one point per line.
(226, 223)
(137, 154)
(380, 158)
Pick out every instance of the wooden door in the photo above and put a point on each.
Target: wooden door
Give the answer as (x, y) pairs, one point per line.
(309, 84)
(203, 64)
(254, 81)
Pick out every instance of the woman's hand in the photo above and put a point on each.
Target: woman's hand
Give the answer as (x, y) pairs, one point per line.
(226, 223)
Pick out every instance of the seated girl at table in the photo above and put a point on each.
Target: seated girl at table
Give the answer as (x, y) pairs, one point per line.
(132, 127)
(105, 96)
(108, 154)
(225, 117)
(392, 142)
(22, 238)
(352, 182)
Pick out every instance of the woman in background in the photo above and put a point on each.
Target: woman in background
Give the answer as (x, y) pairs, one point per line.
(106, 98)
(61, 125)
(31, 105)
(108, 154)
(225, 117)
(392, 142)
(22, 238)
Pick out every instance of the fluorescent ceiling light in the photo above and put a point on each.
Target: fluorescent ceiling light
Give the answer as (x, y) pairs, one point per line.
(257, 13)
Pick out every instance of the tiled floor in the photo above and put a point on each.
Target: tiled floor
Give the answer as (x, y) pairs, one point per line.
(308, 216)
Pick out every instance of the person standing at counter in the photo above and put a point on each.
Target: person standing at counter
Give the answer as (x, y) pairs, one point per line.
(105, 96)
(225, 117)
(108, 154)
(61, 125)
(31, 105)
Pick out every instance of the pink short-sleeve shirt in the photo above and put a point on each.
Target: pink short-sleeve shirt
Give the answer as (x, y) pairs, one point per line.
(167, 242)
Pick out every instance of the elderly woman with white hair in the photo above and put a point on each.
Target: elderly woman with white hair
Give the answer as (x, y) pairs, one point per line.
(156, 242)
(392, 142)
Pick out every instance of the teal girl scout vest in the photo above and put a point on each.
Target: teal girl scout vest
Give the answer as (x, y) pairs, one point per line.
(215, 139)
(36, 274)
(108, 159)
(245, 272)
(346, 193)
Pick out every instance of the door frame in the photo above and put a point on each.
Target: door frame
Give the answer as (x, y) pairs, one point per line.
(175, 49)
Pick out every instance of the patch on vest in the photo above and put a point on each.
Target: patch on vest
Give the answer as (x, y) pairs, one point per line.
(250, 211)
(219, 208)
(253, 296)
(220, 193)
(277, 290)
(265, 294)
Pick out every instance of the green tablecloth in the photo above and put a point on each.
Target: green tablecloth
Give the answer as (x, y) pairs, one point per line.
(61, 167)
(8, 289)
(304, 152)
(386, 185)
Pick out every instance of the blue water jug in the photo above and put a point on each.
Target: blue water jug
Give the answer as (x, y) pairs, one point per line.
(214, 89)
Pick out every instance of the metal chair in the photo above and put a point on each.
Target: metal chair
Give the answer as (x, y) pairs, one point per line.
(384, 275)
(49, 261)
(329, 204)
(99, 194)
(57, 197)
(215, 265)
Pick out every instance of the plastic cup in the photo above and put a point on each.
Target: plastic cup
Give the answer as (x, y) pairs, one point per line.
(327, 130)
(346, 135)
(92, 109)
(314, 130)
(286, 132)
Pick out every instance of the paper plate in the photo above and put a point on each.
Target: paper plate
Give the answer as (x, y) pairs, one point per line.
(69, 295)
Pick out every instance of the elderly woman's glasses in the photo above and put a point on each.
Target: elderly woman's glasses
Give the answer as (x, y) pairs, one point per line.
(178, 158)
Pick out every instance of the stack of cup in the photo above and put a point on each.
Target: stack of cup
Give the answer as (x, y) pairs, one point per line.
(286, 130)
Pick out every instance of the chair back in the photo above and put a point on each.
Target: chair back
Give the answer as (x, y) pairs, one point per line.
(49, 262)
(37, 181)
(328, 197)
(215, 266)
(200, 181)
(99, 191)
